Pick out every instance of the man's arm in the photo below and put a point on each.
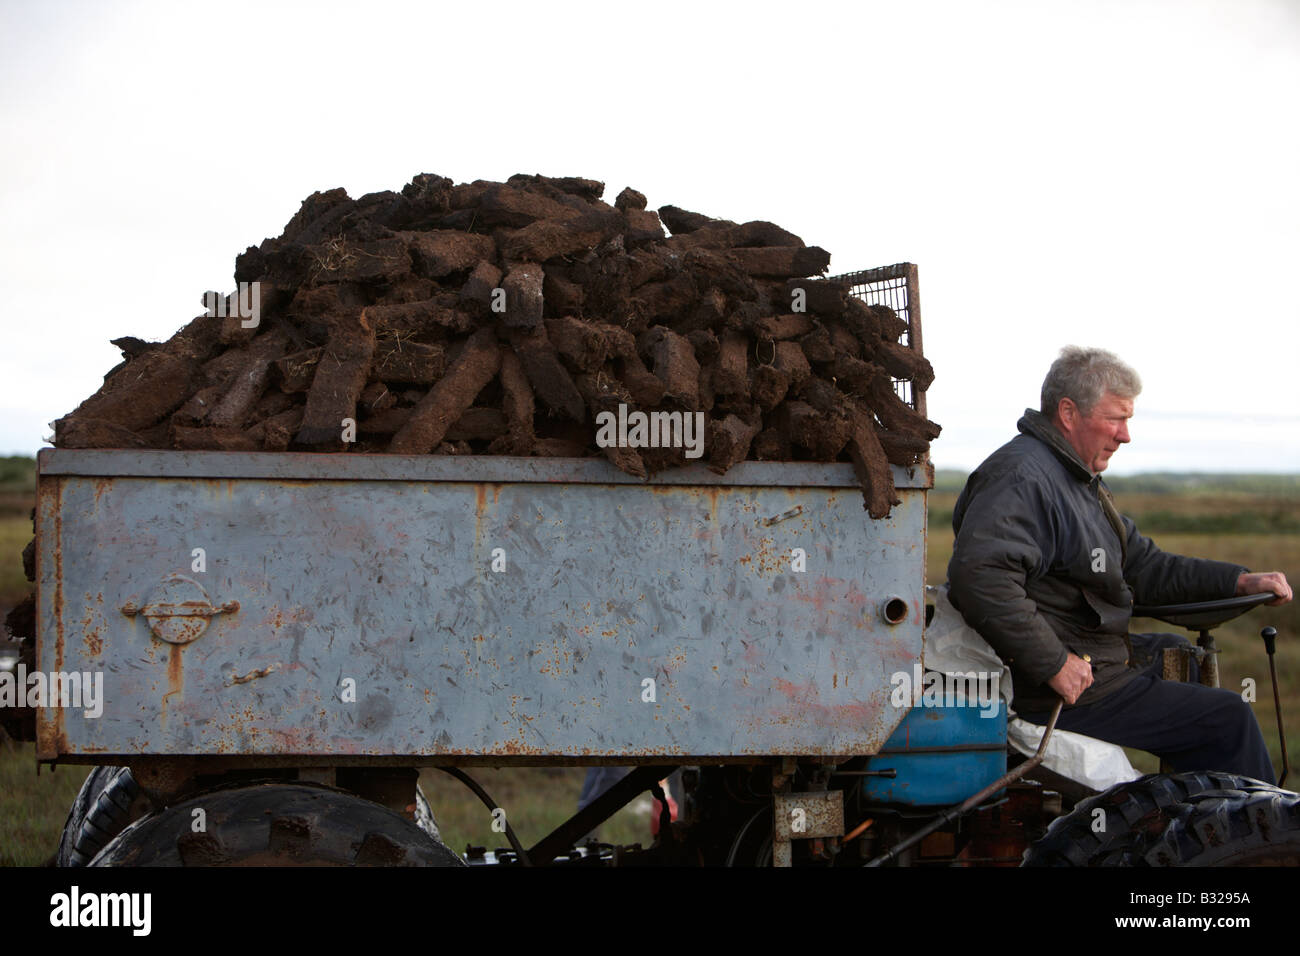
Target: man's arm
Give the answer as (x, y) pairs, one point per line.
(1004, 540)
(1158, 577)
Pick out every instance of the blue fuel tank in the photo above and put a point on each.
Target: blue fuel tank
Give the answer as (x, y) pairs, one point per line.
(942, 755)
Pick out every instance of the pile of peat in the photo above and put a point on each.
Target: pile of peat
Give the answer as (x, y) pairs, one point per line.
(503, 319)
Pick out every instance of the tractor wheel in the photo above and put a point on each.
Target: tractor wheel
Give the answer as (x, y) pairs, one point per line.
(424, 818)
(109, 801)
(275, 824)
(1228, 828)
(752, 846)
(1130, 813)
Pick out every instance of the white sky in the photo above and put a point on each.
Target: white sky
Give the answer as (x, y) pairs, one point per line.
(1120, 174)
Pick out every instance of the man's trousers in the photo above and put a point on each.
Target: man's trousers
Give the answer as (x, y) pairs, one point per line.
(1190, 726)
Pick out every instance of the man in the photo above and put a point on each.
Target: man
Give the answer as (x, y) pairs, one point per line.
(1047, 571)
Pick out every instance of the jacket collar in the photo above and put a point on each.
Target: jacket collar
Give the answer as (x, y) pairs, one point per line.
(1037, 425)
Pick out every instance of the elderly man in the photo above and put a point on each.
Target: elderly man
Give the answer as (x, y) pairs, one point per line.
(1047, 571)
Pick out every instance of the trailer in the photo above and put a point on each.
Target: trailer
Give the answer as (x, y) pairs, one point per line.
(283, 640)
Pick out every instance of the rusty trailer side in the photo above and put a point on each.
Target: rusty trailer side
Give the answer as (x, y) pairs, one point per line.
(439, 610)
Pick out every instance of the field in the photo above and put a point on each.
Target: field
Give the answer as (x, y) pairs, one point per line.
(1251, 520)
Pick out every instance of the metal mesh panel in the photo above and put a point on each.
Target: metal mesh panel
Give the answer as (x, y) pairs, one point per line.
(895, 286)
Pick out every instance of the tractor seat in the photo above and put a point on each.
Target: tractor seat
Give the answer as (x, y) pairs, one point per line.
(952, 646)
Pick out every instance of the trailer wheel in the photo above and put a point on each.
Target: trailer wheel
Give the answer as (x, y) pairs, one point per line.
(1130, 813)
(108, 801)
(275, 824)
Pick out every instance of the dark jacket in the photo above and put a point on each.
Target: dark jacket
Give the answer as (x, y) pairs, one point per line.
(1038, 568)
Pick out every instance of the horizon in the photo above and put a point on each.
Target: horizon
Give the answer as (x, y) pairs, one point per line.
(940, 471)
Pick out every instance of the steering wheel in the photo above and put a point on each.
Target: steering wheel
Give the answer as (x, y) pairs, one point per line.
(1203, 615)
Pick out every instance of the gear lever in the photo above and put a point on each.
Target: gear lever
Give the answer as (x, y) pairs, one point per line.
(1269, 634)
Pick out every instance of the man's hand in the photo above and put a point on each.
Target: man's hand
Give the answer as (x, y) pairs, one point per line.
(1072, 679)
(1262, 581)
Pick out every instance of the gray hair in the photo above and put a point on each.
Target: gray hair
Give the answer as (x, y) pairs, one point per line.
(1084, 376)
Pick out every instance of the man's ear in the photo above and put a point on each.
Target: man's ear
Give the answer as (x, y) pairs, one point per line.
(1067, 413)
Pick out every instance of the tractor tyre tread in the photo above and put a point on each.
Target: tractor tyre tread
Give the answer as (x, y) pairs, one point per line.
(275, 824)
(1132, 811)
(1241, 827)
(105, 805)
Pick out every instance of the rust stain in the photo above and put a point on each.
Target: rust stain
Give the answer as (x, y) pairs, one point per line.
(276, 617)
(252, 675)
(58, 584)
(514, 747)
(829, 594)
(784, 516)
(175, 673)
(101, 485)
(51, 737)
(807, 706)
(92, 639)
(480, 506)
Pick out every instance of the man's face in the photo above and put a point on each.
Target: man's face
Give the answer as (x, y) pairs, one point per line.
(1097, 435)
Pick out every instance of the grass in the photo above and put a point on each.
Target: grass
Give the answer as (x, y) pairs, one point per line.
(33, 809)
(18, 473)
(17, 498)
(14, 535)
(1225, 514)
(536, 801)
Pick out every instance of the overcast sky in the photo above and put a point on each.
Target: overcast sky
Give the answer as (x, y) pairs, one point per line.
(1121, 174)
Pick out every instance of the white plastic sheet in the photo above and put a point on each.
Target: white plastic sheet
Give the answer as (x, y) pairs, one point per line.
(951, 647)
